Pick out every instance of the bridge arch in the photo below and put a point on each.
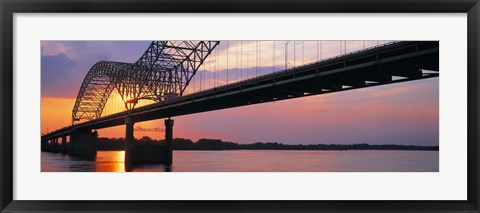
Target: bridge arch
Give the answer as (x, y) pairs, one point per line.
(164, 70)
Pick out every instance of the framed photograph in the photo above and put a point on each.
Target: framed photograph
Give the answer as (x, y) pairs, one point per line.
(234, 106)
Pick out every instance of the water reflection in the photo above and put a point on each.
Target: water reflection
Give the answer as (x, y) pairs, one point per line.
(147, 168)
(254, 161)
(110, 161)
(105, 161)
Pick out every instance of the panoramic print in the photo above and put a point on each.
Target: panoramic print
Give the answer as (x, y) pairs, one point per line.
(239, 106)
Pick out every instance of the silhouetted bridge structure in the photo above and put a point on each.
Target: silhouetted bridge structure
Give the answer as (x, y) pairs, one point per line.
(392, 63)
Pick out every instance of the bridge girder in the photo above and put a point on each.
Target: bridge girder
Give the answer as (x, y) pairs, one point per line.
(166, 68)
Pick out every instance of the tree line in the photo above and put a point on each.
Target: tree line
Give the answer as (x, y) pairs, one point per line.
(217, 144)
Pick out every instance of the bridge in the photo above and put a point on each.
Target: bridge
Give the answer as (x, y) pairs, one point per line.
(165, 70)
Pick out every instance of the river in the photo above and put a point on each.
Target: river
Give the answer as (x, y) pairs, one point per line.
(255, 161)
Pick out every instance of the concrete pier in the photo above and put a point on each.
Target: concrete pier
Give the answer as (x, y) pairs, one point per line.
(64, 148)
(169, 141)
(148, 152)
(129, 140)
(51, 145)
(44, 145)
(83, 143)
(55, 145)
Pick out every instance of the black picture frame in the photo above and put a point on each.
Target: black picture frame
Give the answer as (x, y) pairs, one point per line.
(9, 7)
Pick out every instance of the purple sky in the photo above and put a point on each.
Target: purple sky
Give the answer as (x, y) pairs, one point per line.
(404, 113)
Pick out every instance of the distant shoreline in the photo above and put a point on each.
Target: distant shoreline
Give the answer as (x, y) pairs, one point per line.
(118, 144)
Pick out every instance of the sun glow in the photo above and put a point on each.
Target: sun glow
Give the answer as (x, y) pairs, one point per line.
(116, 103)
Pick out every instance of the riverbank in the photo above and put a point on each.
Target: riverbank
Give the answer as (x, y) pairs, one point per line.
(118, 144)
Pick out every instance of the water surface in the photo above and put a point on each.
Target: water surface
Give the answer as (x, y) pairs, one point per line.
(256, 161)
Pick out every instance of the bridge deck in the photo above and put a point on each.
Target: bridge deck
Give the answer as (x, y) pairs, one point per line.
(392, 63)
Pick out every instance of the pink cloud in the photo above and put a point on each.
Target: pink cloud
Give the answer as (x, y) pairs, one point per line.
(52, 48)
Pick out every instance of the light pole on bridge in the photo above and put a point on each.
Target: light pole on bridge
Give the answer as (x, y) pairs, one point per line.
(286, 54)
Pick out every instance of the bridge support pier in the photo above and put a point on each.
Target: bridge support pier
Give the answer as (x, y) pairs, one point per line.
(58, 147)
(169, 141)
(83, 143)
(55, 145)
(47, 145)
(44, 145)
(64, 145)
(129, 140)
(51, 145)
(148, 153)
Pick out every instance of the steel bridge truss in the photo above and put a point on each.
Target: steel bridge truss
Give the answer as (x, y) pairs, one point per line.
(162, 73)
